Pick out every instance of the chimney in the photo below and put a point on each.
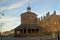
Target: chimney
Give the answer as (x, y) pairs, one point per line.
(44, 17)
(48, 14)
(38, 18)
(54, 12)
(41, 17)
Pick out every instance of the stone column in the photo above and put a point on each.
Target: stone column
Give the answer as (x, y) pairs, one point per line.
(35, 31)
(19, 32)
(31, 30)
(40, 30)
(22, 31)
(26, 31)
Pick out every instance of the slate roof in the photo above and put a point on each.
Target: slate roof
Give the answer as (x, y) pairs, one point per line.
(32, 26)
(47, 18)
(29, 13)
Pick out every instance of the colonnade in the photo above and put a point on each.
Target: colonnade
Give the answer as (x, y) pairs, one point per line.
(25, 31)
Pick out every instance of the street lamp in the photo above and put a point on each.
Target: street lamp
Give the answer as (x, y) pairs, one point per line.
(2, 14)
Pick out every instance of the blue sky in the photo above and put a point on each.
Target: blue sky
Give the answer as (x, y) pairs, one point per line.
(14, 8)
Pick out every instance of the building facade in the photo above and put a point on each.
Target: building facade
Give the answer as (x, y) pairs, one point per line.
(51, 22)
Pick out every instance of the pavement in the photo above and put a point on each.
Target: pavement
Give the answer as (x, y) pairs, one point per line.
(47, 37)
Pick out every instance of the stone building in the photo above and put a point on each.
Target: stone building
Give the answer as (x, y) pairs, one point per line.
(31, 26)
(28, 27)
(51, 23)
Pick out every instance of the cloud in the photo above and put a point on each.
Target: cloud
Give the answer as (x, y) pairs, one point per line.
(3, 8)
(3, 1)
(10, 25)
(58, 12)
(9, 18)
(15, 5)
(59, 5)
(9, 22)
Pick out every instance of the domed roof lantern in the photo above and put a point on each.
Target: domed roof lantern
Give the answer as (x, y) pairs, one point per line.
(28, 8)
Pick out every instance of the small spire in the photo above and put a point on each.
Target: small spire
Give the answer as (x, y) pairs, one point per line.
(28, 8)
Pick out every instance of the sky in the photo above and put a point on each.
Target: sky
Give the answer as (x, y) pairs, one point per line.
(12, 10)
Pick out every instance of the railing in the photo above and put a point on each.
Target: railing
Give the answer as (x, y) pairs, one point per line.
(37, 38)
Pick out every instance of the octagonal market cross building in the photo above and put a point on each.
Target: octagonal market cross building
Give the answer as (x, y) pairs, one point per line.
(28, 27)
